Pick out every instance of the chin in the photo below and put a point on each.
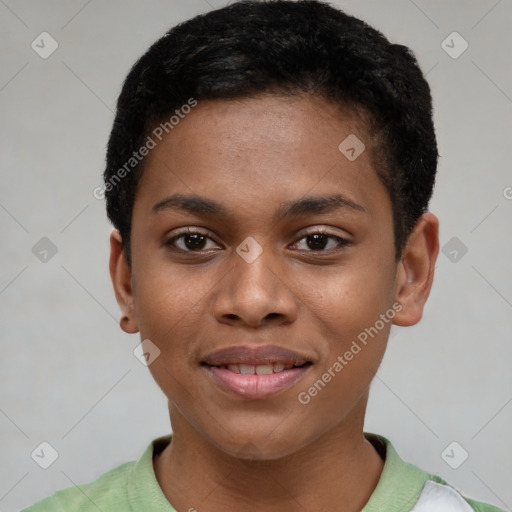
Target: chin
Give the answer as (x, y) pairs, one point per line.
(261, 451)
(266, 444)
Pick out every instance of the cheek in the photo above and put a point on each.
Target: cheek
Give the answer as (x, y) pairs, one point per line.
(170, 309)
(167, 298)
(169, 317)
(346, 300)
(352, 314)
(352, 324)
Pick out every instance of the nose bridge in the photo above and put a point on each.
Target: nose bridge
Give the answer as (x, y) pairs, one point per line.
(254, 279)
(253, 289)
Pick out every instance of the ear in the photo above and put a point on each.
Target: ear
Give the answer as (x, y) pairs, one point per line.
(121, 276)
(415, 272)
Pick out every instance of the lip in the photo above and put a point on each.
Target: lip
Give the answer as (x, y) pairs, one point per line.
(265, 354)
(255, 386)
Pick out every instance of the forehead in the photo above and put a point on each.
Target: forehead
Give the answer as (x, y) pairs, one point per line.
(276, 123)
(261, 150)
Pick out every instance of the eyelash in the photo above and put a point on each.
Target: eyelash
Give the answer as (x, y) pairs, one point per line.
(342, 242)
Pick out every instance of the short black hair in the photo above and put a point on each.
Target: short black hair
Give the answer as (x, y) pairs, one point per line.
(285, 47)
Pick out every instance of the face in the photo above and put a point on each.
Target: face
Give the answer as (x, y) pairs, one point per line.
(261, 255)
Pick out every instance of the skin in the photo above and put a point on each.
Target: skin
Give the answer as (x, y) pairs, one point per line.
(251, 156)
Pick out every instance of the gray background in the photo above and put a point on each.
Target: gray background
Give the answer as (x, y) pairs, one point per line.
(69, 376)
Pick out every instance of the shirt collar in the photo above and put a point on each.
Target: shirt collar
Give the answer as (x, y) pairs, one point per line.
(400, 483)
(143, 490)
(398, 488)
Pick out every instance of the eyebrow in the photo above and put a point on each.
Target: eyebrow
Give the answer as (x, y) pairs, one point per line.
(202, 206)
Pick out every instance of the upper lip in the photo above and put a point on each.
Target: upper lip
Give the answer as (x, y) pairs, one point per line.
(244, 354)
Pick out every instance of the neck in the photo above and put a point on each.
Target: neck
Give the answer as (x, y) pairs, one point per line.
(341, 467)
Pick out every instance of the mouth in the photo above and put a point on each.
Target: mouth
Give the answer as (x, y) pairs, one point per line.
(260, 369)
(255, 373)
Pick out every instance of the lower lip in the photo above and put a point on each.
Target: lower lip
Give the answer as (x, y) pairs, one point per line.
(256, 387)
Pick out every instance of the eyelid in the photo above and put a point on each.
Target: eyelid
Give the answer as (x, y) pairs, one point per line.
(170, 240)
(342, 241)
(311, 230)
(191, 229)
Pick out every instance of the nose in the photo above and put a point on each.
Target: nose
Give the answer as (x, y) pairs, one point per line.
(255, 294)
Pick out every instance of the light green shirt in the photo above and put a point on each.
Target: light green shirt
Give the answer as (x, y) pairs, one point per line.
(133, 487)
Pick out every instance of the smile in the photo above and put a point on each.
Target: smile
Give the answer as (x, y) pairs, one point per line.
(260, 369)
(255, 373)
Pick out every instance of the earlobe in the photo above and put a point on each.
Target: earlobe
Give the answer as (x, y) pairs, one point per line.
(120, 273)
(415, 272)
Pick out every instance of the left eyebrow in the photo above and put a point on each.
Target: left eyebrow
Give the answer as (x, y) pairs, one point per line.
(192, 204)
(203, 206)
(320, 204)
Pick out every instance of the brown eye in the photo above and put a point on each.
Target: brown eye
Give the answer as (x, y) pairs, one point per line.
(317, 241)
(194, 241)
(191, 241)
(321, 242)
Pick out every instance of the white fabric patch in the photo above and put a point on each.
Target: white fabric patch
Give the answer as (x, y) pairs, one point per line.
(436, 497)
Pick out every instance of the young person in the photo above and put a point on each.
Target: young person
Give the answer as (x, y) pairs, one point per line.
(268, 175)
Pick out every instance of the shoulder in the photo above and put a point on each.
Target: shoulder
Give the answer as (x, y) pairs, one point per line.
(130, 486)
(101, 494)
(407, 488)
(479, 506)
(438, 495)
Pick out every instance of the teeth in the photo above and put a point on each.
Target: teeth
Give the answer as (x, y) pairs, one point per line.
(260, 369)
(264, 369)
(247, 369)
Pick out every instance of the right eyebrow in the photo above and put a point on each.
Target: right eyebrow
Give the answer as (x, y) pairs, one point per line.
(316, 204)
(203, 206)
(192, 204)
